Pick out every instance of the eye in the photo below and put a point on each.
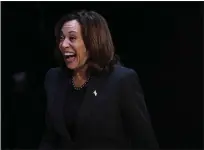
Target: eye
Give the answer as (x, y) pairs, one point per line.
(72, 38)
(61, 37)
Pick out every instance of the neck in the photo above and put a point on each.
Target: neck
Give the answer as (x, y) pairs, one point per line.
(80, 73)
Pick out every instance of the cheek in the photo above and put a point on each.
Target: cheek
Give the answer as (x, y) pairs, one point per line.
(81, 50)
(83, 53)
(83, 57)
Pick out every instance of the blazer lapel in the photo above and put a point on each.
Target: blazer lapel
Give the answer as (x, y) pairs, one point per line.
(60, 97)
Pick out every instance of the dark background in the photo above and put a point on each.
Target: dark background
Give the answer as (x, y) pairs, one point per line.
(160, 40)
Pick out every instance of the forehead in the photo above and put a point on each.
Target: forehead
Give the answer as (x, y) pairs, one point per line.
(70, 26)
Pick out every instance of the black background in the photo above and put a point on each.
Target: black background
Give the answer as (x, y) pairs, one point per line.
(160, 40)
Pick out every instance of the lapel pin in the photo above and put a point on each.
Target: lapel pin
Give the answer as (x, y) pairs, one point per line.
(95, 93)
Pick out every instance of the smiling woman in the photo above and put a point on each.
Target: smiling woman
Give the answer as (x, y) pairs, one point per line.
(93, 101)
(72, 45)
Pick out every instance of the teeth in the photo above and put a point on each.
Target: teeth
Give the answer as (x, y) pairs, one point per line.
(68, 54)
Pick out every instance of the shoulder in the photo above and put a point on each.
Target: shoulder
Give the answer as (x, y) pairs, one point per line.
(53, 75)
(121, 72)
(53, 72)
(124, 77)
(128, 81)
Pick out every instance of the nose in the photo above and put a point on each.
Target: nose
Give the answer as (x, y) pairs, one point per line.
(65, 43)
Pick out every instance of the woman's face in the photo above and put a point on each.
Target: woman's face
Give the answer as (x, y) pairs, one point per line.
(72, 45)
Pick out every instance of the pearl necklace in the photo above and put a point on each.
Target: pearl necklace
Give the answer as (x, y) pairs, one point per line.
(83, 85)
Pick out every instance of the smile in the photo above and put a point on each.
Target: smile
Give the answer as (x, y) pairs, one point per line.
(69, 56)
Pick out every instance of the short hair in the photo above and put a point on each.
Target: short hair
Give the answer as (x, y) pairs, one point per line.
(96, 36)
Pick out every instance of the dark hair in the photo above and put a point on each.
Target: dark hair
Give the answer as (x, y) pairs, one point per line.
(97, 39)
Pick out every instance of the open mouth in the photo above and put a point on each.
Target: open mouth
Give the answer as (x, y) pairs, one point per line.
(70, 56)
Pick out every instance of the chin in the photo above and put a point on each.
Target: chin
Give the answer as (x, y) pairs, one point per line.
(72, 67)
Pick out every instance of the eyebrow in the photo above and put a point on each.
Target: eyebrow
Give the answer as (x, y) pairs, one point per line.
(72, 32)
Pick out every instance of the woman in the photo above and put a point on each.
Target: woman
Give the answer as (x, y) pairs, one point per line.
(93, 102)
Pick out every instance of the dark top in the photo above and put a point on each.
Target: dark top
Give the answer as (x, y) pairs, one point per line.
(71, 108)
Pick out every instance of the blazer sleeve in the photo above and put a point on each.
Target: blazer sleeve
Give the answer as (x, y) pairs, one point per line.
(49, 139)
(135, 115)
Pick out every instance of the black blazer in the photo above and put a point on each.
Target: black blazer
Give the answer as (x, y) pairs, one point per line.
(116, 117)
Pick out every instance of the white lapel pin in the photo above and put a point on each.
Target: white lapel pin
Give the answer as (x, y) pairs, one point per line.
(95, 93)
